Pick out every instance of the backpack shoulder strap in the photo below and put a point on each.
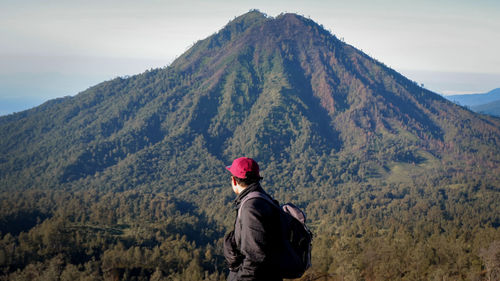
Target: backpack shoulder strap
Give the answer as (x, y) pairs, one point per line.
(256, 194)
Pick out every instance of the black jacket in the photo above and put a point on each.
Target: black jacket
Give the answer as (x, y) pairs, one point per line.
(254, 252)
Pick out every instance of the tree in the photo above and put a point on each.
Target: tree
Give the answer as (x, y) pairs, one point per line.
(491, 260)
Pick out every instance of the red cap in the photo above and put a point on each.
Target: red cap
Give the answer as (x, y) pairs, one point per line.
(242, 165)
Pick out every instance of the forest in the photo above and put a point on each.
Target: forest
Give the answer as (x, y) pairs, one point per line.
(365, 232)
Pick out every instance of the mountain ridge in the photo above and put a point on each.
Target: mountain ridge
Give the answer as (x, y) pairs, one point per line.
(476, 99)
(487, 103)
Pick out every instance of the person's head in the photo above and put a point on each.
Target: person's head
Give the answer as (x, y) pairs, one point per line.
(244, 171)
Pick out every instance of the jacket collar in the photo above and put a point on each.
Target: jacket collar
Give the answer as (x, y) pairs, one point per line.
(252, 187)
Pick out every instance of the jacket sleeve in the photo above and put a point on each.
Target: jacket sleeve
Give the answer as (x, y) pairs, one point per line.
(255, 243)
(231, 252)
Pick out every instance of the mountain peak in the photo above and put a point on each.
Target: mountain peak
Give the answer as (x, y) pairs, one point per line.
(290, 17)
(275, 89)
(246, 20)
(252, 14)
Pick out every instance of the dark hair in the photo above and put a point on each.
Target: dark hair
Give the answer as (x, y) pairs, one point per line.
(248, 180)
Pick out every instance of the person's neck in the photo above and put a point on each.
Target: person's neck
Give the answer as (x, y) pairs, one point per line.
(251, 187)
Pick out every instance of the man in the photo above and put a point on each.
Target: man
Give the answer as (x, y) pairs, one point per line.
(252, 248)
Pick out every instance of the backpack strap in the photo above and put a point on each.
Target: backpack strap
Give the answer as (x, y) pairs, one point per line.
(256, 194)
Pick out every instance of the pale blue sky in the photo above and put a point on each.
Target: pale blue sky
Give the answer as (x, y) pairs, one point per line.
(50, 49)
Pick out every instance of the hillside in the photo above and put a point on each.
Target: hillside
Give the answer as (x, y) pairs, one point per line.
(127, 178)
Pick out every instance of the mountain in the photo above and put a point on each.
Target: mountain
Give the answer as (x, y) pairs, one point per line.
(476, 99)
(492, 108)
(488, 103)
(127, 178)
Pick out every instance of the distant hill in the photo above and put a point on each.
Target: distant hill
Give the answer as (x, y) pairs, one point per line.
(476, 99)
(492, 108)
(487, 103)
(126, 180)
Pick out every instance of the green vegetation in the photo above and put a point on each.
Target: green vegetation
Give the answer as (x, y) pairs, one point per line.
(126, 180)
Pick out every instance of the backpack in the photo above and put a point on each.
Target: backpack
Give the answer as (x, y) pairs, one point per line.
(295, 257)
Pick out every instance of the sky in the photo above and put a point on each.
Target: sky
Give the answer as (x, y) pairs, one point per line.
(56, 48)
